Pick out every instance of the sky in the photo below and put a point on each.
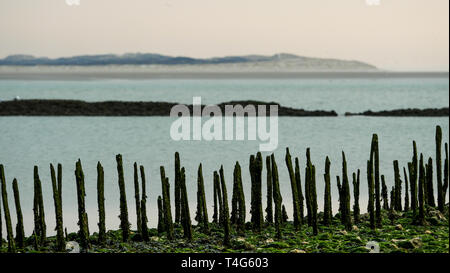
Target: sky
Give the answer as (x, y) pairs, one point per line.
(399, 35)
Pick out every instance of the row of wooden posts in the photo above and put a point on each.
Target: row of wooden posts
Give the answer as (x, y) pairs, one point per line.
(418, 193)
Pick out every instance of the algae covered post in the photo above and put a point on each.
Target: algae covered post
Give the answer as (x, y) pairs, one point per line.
(328, 214)
(58, 207)
(83, 224)
(101, 203)
(294, 189)
(9, 230)
(227, 228)
(144, 219)
(20, 232)
(124, 224)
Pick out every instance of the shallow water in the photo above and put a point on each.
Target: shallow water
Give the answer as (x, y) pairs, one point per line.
(29, 141)
(339, 94)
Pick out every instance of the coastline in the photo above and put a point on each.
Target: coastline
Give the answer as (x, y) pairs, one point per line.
(37, 107)
(148, 72)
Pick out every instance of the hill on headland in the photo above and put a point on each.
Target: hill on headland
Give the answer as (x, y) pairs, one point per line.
(280, 61)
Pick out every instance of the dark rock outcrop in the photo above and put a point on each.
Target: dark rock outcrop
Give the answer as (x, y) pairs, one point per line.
(410, 112)
(122, 108)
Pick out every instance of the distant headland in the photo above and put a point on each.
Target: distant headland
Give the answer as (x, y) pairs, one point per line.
(281, 61)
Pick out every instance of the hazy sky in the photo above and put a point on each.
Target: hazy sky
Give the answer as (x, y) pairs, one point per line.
(395, 35)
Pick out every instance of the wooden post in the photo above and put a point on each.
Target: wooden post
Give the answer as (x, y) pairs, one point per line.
(294, 189)
(177, 191)
(38, 209)
(269, 207)
(101, 204)
(185, 213)
(168, 223)
(60, 242)
(298, 182)
(226, 239)
(9, 230)
(20, 233)
(327, 215)
(82, 215)
(137, 197)
(202, 211)
(277, 199)
(124, 224)
(144, 219)
(356, 209)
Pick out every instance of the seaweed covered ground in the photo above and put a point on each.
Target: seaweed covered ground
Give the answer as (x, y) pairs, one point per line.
(401, 236)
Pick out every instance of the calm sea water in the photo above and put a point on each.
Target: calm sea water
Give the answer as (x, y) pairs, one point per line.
(29, 141)
(339, 94)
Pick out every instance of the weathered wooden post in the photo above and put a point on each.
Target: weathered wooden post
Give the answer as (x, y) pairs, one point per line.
(83, 233)
(161, 221)
(327, 214)
(371, 205)
(234, 200)
(251, 168)
(384, 194)
(257, 218)
(144, 219)
(218, 195)
(137, 197)
(101, 204)
(398, 187)
(60, 242)
(413, 176)
(425, 185)
(307, 188)
(341, 198)
(295, 198)
(406, 207)
(269, 207)
(124, 223)
(168, 222)
(314, 206)
(20, 233)
(185, 213)
(346, 195)
(391, 208)
(216, 205)
(440, 189)
(177, 191)
(375, 160)
(446, 170)
(284, 217)
(429, 183)
(356, 209)
(310, 184)
(226, 239)
(277, 199)
(241, 199)
(421, 216)
(38, 208)
(202, 211)
(298, 182)
(9, 229)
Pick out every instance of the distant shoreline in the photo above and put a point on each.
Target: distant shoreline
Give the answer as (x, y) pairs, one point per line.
(73, 73)
(122, 108)
(411, 112)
